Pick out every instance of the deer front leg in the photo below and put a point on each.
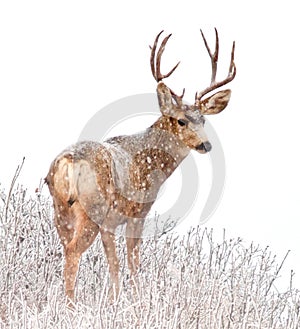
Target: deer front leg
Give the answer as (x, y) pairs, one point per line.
(134, 230)
(109, 244)
(133, 254)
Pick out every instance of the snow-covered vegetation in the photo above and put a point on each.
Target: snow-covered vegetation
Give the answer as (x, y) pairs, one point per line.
(185, 282)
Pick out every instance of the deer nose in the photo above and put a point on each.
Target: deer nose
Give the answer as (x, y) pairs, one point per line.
(205, 146)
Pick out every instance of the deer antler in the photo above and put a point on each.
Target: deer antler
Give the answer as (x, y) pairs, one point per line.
(155, 68)
(214, 63)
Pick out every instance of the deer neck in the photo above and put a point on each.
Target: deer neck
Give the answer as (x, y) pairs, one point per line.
(157, 148)
(142, 162)
(166, 137)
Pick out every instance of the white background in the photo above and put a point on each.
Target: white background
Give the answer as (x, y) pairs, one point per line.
(62, 61)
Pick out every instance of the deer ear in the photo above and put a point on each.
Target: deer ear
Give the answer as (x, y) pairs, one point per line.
(215, 103)
(164, 98)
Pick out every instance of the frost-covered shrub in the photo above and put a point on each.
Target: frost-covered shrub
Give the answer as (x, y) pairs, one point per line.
(184, 282)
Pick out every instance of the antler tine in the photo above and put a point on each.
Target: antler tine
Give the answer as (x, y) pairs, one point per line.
(232, 68)
(155, 68)
(177, 98)
(153, 50)
(213, 56)
(214, 64)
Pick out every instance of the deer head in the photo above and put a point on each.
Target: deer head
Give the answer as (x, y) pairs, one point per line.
(188, 120)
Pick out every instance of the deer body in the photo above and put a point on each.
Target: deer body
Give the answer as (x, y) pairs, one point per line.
(97, 187)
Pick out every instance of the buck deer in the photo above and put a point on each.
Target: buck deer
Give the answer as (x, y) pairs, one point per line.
(97, 187)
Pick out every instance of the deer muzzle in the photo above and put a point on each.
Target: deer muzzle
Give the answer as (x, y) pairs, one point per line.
(204, 147)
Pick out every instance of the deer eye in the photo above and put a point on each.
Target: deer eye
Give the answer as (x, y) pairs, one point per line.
(181, 122)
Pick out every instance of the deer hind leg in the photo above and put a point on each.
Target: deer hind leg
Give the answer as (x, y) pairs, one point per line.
(109, 244)
(85, 232)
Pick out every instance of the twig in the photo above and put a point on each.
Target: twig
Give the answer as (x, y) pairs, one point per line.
(276, 274)
(17, 173)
